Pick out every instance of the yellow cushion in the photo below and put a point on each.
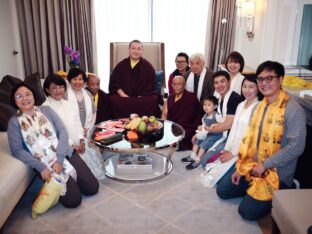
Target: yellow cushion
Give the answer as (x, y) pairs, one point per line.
(47, 197)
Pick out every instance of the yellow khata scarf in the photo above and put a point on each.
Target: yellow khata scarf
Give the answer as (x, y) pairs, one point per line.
(261, 188)
(96, 99)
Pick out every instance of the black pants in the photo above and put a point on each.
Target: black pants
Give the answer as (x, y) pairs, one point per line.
(86, 183)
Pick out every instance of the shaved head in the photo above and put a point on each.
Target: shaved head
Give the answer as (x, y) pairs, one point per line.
(93, 83)
(178, 84)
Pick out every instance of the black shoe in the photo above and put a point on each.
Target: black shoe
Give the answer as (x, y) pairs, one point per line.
(187, 159)
(192, 165)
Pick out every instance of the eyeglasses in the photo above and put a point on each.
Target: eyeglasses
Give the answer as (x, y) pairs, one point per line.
(268, 79)
(20, 96)
(180, 62)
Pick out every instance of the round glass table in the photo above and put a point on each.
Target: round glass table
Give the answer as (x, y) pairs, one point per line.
(142, 160)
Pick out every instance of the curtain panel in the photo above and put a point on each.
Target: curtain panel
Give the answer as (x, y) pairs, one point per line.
(46, 26)
(220, 33)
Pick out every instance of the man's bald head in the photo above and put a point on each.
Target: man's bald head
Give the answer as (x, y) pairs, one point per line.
(178, 84)
(93, 83)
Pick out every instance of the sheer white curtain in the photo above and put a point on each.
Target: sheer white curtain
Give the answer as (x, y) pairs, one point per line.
(180, 24)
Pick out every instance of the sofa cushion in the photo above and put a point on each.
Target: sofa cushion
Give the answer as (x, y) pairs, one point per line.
(292, 210)
(15, 179)
(159, 81)
(8, 82)
(7, 111)
(35, 83)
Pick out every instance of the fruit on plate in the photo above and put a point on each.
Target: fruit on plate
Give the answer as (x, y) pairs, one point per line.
(132, 135)
(133, 124)
(142, 127)
(152, 119)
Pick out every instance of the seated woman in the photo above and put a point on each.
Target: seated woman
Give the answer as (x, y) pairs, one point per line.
(182, 64)
(132, 86)
(242, 115)
(80, 99)
(38, 138)
(54, 87)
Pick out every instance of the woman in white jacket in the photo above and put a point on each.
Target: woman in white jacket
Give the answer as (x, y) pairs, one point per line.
(55, 87)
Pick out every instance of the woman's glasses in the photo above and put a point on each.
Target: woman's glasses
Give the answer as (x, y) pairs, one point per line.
(20, 96)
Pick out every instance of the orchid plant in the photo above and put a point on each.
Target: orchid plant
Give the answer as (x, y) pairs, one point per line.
(72, 57)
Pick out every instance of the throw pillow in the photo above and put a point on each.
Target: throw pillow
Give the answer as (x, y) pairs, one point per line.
(35, 83)
(47, 197)
(8, 82)
(159, 81)
(7, 111)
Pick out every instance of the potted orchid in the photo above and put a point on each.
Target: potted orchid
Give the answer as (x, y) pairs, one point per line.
(72, 57)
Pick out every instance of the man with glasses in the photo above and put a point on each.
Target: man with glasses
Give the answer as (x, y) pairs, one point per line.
(199, 78)
(269, 150)
(182, 64)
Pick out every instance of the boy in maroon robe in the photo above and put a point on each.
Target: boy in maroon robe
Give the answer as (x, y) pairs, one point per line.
(132, 85)
(183, 108)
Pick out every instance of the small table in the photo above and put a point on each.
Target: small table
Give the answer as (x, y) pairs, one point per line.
(161, 164)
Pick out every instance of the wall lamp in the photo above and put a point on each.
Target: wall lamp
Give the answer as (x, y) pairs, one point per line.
(246, 13)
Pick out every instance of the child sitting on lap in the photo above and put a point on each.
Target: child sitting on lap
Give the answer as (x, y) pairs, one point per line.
(203, 140)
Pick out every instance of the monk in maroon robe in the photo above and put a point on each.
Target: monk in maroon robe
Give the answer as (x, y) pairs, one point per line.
(132, 86)
(183, 108)
(100, 98)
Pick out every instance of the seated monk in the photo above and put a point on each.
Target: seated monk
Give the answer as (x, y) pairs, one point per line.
(183, 108)
(103, 110)
(132, 85)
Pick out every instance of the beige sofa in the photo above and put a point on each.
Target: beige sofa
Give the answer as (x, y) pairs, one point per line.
(292, 211)
(15, 177)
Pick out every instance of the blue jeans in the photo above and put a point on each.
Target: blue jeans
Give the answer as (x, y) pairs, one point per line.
(249, 208)
(209, 154)
(209, 141)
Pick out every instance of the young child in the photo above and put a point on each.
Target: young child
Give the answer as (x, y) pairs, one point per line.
(203, 139)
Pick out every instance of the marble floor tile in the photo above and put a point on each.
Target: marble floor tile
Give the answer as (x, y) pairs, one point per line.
(176, 204)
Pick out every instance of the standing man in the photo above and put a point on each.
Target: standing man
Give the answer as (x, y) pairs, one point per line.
(100, 98)
(199, 78)
(183, 108)
(132, 85)
(269, 150)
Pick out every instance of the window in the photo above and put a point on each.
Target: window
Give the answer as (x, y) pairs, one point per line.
(180, 24)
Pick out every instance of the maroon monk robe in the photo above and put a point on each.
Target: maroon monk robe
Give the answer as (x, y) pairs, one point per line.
(186, 112)
(139, 83)
(103, 109)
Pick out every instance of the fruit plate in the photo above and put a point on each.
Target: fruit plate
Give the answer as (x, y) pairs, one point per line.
(150, 137)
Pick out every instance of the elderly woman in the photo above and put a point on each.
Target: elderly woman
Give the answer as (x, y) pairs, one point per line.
(80, 99)
(54, 87)
(38, 138)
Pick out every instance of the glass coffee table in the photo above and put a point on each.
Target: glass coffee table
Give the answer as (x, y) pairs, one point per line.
(142, 160)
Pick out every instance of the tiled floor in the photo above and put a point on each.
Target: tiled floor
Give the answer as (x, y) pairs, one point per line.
(177, 203)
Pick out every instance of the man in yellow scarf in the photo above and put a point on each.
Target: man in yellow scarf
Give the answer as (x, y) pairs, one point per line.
(269, 150)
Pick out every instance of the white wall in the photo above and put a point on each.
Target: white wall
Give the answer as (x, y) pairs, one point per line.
(9, 41)
(277, 27)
